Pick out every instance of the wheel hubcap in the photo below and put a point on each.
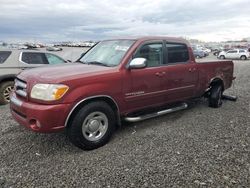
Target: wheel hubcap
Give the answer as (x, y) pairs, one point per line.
(6, 93)
(95, 126)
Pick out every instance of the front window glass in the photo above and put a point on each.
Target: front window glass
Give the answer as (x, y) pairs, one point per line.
(53, 59)
(232, 51)
(107, 53)
(152, 53)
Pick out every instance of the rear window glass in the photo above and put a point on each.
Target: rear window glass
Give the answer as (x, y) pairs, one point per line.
(4, 55)
(34, 58)
(242, 51)
(177, 52)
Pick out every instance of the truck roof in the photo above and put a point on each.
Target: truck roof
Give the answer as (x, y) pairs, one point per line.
(146, 38)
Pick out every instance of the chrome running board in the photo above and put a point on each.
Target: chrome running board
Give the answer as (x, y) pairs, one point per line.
(182, 106)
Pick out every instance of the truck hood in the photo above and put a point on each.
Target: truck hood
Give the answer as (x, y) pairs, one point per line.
(60, 73)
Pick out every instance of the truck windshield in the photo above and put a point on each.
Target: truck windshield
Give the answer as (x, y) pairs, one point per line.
(107, 53)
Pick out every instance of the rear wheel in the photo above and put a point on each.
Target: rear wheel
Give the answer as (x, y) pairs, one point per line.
(243, 57)
(92, 126)
(5, 91)
(215, 97)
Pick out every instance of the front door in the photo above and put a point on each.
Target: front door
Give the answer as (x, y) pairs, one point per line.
(231, 54)
(146, 86)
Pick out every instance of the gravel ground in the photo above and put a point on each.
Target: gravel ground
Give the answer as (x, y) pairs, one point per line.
(197, 147)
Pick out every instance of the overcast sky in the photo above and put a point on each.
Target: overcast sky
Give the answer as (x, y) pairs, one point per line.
(72, 20)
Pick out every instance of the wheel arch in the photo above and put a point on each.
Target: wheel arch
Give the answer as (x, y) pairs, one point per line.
(243, 56)
(9, 77)
(216, 81)
(108, 99)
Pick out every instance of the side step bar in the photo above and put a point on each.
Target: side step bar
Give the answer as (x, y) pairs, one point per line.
(155, 114)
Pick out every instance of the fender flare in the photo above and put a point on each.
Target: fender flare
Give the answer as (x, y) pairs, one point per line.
(8, 77)
(86, 100)
(216, 80)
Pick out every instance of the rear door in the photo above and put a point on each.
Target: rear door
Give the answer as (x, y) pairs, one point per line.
(181, 74)
(146, 87)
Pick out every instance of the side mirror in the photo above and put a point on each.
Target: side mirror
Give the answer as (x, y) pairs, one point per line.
(137, 63)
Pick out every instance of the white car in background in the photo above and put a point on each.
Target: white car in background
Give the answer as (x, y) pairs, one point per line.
(234, 54)
(53, 48)
(206, 50)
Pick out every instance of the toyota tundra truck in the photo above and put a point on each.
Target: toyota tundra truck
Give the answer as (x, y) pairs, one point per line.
(116, 80)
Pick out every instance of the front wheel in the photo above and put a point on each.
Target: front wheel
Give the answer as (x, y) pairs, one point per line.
(215, 97)
(222, 57)
(5, 91)
(92, 126)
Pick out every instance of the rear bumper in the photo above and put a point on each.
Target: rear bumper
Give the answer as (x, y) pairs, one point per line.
(37, 117)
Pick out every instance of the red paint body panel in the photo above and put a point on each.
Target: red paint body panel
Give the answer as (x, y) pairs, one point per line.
(131, 90)
(50, 117)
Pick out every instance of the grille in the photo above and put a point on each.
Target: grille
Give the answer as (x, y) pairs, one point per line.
(21, 88)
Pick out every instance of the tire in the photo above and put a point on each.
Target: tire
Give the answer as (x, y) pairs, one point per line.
(5, 90)
(222, 57)
(215, 97)
(92, 126)
(243, 57)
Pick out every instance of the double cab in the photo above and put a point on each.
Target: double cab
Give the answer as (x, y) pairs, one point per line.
(123, 79)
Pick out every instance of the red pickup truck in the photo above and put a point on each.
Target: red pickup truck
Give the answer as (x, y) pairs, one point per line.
(122, 79)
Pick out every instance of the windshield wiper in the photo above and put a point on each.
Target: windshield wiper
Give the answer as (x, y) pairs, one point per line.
(79, 61)
(97, 63)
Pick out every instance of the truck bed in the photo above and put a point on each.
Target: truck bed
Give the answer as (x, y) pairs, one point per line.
(209, 70)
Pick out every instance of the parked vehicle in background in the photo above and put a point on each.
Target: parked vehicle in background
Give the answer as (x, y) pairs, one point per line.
(234, 54)
(53, 48)
(22, 47)
(206, 53)
(217, 52)
(131, 79)
(198, 53)
(13, 62)
(206, 50)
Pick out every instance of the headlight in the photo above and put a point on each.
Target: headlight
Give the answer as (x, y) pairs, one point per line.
(48, 92)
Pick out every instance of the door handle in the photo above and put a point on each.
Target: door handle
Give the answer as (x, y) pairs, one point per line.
(157, 74)
(160, 74)
(192, 69)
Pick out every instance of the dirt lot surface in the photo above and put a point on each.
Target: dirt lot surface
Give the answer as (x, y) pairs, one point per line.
(196, 147)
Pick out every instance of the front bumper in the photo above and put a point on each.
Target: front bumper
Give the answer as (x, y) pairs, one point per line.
(38, 117)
